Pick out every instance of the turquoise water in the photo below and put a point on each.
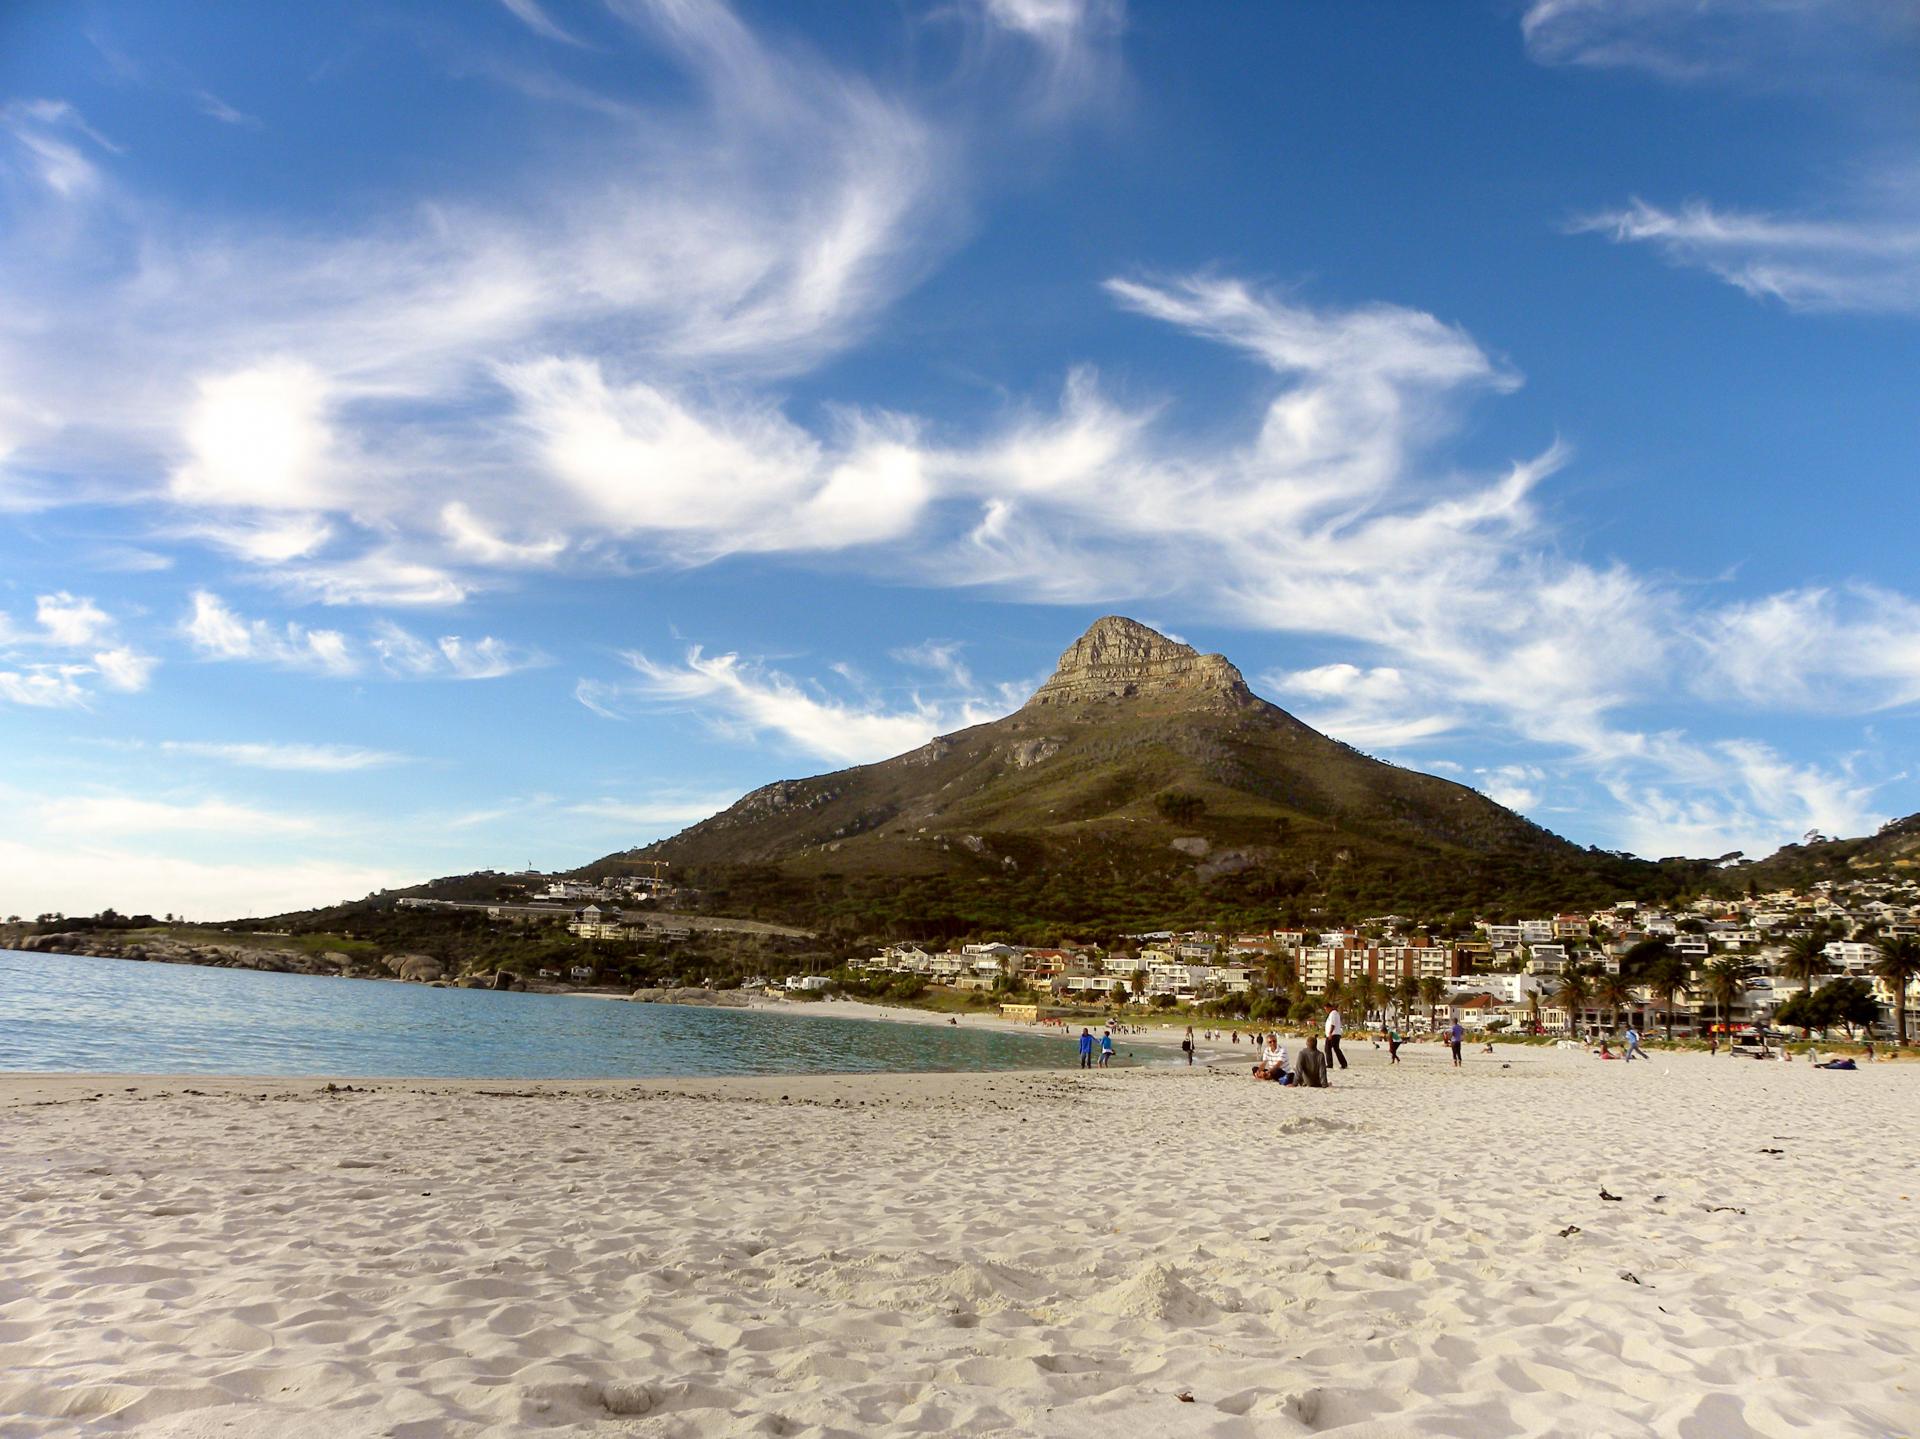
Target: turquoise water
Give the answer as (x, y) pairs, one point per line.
(110, 1016)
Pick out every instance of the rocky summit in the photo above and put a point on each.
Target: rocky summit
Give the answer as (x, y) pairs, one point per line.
(1121, 659)
(1142, 784)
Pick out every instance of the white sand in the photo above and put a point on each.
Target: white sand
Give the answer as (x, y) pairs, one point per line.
(1003, 1255)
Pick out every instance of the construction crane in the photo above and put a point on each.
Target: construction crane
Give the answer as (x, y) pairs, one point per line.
(659, 868)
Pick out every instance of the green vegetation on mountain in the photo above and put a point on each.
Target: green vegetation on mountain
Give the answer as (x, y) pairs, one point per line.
(1143, 785)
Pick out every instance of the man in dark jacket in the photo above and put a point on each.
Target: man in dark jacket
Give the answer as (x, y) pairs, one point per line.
(1310, 1068)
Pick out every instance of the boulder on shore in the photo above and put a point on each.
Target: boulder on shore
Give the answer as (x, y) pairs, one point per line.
(420, 968)
(720, 998)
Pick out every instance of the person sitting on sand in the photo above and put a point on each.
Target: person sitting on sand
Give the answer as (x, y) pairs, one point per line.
(1311, 1069)
(1605, 1052)
(1270, 1061)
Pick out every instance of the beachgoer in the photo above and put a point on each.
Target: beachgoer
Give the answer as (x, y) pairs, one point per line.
(1605, 1052)
(1273, 1060)
(1713, 1044)
(1634, 1051)
(1311, 1069)
(1106, 1048)
(1334, 1027)
(1454, 1036)
(1187, 1045)
(1393, 1046)
(1086, 1049)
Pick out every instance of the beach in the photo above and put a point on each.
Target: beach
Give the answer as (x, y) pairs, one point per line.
(1416, 1251)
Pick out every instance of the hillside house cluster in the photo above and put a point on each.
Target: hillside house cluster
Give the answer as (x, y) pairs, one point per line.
(1501, 975)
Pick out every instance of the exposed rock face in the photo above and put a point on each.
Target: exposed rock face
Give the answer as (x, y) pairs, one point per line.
(1119, 658)
(715, 998)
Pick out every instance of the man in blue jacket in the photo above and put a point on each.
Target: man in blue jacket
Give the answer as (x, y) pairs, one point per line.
(1086, 1049)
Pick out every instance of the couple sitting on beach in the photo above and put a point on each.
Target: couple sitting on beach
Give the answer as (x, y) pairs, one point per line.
(1310, 1071)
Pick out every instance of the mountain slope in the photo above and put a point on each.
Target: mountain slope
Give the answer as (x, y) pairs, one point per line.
(1142, 783)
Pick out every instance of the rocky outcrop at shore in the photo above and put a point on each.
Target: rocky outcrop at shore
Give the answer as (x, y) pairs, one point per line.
(161, 949)
(720, 998)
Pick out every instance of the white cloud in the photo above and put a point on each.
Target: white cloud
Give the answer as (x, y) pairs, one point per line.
(638, 460)
(259, 437)
(385, 575)
(71, 621)
(654, 813)
(1860, 254)
(1077, 42)
(266, 539)
(217, 632)
(1741, 795)
(475, 539)
(214, 107)
(535, 18)
(1775, 43)
(55, 141)
(1369, 708)
(84, 877)
(748, 700)
(1816, 649)
(449, 657)
(73, 624)
(304, 758)
(1517, 786)
(113, 816)
(124, 669)
(1851, 264)
(44, 686)
(610, 327)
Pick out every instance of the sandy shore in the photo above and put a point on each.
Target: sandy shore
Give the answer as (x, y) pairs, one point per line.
(1147, 1252)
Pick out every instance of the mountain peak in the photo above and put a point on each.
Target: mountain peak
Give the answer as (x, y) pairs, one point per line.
(1119, 658)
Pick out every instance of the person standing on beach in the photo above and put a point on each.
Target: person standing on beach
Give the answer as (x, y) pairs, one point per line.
(1634, 1051)
(1106, 1048)
(1334, 1027)
(1187, 1045)
(1086, 1049)
(1393, 1046)
(1454, 1036)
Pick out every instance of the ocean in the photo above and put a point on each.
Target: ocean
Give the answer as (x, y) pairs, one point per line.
(76, 1014)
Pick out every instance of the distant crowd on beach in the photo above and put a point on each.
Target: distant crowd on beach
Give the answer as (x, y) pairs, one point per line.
(1311, 1068)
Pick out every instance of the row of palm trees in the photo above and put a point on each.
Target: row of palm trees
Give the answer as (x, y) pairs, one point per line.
(1654, 965)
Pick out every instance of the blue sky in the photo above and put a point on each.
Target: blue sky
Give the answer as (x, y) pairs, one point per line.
(438, 437)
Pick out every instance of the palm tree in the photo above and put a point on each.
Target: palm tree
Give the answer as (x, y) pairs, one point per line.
(1899, 965)
(1655, 963)
(1362, 990)
(1575, 991)
(1726, 980)
(1433, 989)
(1805, 959)
(1616, 993)
(1406, 994)
(1667, 978)
(1533, 1010)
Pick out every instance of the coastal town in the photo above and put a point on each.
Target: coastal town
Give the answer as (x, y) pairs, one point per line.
(1848, 952)
(1829, 956)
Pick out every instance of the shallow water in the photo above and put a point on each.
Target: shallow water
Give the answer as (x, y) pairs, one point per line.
(77, 1014)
